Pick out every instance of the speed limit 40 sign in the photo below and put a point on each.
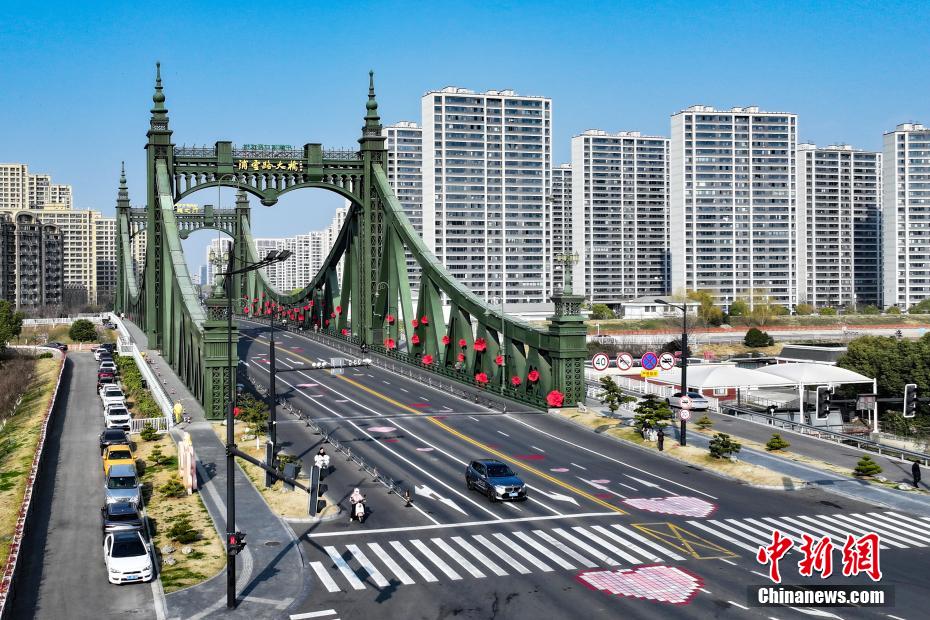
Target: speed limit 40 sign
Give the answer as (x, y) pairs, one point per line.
(600, 361)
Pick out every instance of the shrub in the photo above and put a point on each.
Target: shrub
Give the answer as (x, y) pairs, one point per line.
(173, 488)
(804, 309)
(148, 432)
(44, 356)
(776, 443)
(82, 330)
(612, 396)
(780, 310)
(601, 312)
(182, 531)
(893, 310)
(867, 467)
(739, 308)
(870, 309)
(156, 456)
(704, 422)
(827, 311)
(722, 446)
(921, 307)
(757, 338)
(652, 411)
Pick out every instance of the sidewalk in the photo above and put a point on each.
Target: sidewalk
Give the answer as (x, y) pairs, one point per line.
(835, 454)
(270, 572)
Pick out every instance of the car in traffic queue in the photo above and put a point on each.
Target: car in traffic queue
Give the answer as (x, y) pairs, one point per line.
(121, 517)
(698, 402)
(113, 437)
(117, 455)
(495, 479)
(117, 416)
(127, 557)
(112, 395)
(122, 485)
(108, 366)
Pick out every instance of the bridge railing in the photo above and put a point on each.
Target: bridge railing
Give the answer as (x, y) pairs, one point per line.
(126, 346)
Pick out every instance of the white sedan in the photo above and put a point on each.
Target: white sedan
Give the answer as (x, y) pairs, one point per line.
(698, 402)
(127, 557)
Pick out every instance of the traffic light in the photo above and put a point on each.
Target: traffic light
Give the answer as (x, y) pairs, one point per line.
(235, 542)
(824, 394)
(910, 400)
(772, 409)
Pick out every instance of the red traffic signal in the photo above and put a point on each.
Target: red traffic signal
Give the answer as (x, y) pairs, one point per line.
(235, 542)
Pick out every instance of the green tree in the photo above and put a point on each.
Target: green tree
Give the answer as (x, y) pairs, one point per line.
(601, 312)
(82, 330)
(827, 311)
(254, 413)
(757, 338)
(148, 432)
(740, 307)
(779, 310)
(653, 412)
(870, 309)
(611, 394)
(704, 422)
(11, 323)
(867, 467)
(922, 307)
(776, 443)
(804, 309)
(722, 446)
(707, 313)
(892, 310)
(892, 362)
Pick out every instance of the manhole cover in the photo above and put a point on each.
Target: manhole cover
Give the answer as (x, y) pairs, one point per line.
(272, 543)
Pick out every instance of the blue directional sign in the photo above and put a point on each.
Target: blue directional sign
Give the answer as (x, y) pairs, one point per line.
(650, 360)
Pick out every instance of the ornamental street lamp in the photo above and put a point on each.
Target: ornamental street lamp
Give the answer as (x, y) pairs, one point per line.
(683, 439)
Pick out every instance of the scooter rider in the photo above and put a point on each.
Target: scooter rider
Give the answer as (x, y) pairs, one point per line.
(357, 501)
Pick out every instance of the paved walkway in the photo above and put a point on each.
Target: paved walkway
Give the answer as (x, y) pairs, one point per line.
(271, 570)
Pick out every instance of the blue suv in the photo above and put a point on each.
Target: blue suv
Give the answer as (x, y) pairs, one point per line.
(494, 479)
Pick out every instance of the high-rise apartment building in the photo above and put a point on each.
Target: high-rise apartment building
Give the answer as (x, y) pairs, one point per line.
(560, 214)
(733, 204)
(839, 210)
(906, 215)
(487, 160)
(14, 187)
(405, 173)
(30, 261)
(620, 220)
(106, 260)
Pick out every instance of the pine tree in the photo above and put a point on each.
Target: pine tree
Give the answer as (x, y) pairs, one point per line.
(867, 467)
(612, 396)
(722, 446)
(776, 443)
(704, 422)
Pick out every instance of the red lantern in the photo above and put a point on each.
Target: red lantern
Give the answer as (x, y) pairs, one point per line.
(427, 359)
(263, 294)
(311, 303)
(462, 343)
(332, 315)
(255, 300)
(345, 332)
(555, 398)
(481, 378)
(415, 323)
(480, 344)
(461, 357)
(390, 319)
(268, 311)
(424, 320)
(515, 381)
(533, 377)
(327, 322)
(389, 343)
(415, 339)
(499, 360)
(445, 340)
(246, 309)
(338, 309)
(300, 317)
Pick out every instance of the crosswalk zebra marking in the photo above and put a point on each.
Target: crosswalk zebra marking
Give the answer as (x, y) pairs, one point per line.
(458, 557)
(646, 554)
(323, 575)
(503, 555)
(546, 553)
(391, 564)
(795, 537)
(793, 531)
(435, 559)
(565, 549)
(740, 533)
(835, 532)
(725, 537)
(366, 564)
(529, 557)
(606, 545)
(598, 555)
(344, 568)
(888, 537)
(903, 528)
(645, 541)
(414, 562)
(467, 546)
(906, 521)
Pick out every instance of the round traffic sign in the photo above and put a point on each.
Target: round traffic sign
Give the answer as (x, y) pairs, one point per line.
(624, 361)
(685, 402)
(667, 361)
(650, 360)
(600, 361)
(684, 414)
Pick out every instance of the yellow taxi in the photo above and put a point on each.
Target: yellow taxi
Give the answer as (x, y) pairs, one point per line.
(117, 455)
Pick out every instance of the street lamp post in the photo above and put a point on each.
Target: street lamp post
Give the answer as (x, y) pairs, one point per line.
(683, 437)
(233, 539)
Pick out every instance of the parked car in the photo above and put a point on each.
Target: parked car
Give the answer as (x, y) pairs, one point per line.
(113, 437)
(117, 416)
(122, 485)
(105, 378)
(56, 345)
(111, 395)
(127, 557)
(117, 455)
(121, 517)
(698, 402)
(108, 366)
(494, 479)
(103, 389)
(102, 354)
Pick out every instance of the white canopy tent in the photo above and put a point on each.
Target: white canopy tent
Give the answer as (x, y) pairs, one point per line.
(722, 376)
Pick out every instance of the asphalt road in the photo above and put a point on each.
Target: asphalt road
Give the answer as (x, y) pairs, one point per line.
(595, 505)
(64, 575)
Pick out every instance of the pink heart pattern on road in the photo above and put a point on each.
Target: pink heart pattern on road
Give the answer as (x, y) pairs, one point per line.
(666, 584)
(674, 505)
(382, 429)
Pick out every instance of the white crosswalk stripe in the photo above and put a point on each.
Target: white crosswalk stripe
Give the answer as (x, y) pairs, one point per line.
(328, 582)
(725, 537)
(851, 526)
(414, 562)
(435, 559)
(598, 555)
(503, 555)
(391, 564)
(467, 546)
(648, 543)
(648, 555)
(458, 557)
(344, 568)
(373, 572)
(899, 526)
(565, 549)
(529, 557)
(606, 545)
(544, 551)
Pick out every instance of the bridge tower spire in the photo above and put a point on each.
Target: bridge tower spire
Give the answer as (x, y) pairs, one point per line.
(122, 220)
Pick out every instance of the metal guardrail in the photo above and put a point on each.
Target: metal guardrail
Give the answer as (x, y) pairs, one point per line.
(645, 387)
(137, 424)
(148, 369)
(819, 432)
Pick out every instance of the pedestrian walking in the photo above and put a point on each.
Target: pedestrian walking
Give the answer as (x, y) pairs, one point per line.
(915, 471)
(660, 438)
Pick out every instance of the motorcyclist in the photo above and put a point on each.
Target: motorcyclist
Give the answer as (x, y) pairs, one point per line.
(356, 499)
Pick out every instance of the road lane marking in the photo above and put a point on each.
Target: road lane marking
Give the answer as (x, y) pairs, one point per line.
(503, 555)
(473, 418)
(503, 433)
(743, 607)
(344, 568)
(538, 449)
(314, 614)
(649, 543)
(467, 546)
(369, 568)
(435, 559)
(643, 552)
(606, 545)
(391, 564)
(595, 553)
(558, 544)
(458, 557)
(578, 466)
(414, 562)
(544, 551)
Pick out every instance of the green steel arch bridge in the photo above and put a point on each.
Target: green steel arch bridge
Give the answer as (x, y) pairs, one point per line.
(367, 302)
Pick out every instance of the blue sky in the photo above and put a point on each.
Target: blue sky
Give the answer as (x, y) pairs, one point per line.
(77, 77)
